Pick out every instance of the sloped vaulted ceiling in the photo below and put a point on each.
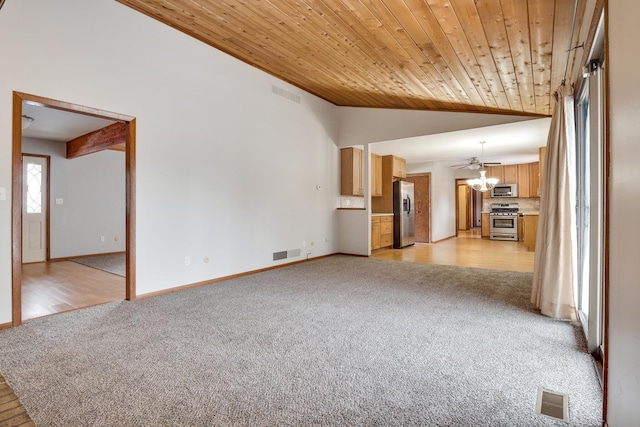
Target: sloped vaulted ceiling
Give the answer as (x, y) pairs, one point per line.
(490, 56)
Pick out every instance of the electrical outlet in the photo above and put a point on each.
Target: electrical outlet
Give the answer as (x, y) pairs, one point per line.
(205, 260)
(187, 261)
(102, 239)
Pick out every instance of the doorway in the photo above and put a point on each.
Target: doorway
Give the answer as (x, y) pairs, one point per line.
(422, 195)
(468, 207)
(18, 196)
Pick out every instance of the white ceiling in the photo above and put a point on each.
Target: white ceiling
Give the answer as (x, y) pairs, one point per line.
(59, 125)
(510, 143)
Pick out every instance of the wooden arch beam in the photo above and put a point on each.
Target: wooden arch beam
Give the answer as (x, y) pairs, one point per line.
(110, 137)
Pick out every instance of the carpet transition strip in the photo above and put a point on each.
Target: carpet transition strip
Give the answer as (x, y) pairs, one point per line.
(12, 413)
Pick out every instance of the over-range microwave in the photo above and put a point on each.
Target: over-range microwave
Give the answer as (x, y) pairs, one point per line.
(505, 190)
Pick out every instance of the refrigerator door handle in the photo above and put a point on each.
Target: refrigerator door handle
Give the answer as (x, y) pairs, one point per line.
(409, 207)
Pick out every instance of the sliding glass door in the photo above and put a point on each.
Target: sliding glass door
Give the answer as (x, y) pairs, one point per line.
(590, 206)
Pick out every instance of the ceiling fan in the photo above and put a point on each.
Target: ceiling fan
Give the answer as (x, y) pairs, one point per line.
(475, 163)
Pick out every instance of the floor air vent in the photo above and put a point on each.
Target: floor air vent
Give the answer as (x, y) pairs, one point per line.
(553, 405)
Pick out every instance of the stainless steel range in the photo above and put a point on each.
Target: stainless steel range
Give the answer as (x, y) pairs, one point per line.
(504, 221)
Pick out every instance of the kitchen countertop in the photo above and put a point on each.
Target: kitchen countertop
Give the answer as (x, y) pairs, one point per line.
(528, 213)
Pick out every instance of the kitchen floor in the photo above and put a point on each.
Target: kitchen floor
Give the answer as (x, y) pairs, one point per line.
(466, 250)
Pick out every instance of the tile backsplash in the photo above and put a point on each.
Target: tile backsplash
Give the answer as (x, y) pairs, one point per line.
(524, 205)
(351, 202)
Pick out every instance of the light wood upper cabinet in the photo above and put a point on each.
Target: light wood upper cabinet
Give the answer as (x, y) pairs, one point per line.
(399, 167)
(376, 175)
(527, 176)
(351, 172)
(496, 172)
(510, 174)
(391, 166)
(534, 179)
(523, 180)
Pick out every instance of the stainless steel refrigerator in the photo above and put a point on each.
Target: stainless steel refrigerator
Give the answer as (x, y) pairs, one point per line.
(403, 214)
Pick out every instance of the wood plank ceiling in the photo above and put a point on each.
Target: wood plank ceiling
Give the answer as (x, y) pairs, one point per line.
(489, 56)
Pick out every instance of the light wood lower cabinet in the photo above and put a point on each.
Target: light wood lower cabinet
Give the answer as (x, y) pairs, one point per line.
(381, 232)
(386, 231)
(484, 221)
(375, 233)
(530, 231)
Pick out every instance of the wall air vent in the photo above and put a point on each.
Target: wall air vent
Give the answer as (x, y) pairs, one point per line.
(553, 405)
(285, 93)
(293, 253)
(279, 255)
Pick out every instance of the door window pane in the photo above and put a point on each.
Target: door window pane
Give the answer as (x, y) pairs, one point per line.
(34, 188)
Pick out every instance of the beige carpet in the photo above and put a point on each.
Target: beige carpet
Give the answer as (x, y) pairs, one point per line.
(332, 342)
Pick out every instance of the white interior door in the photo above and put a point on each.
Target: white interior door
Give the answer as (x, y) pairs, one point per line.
(34, 209)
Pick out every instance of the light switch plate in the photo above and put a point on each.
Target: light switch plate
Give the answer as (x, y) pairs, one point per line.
(3, 193)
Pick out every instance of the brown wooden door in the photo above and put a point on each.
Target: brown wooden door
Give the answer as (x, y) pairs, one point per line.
(422, 196)
(463, 206)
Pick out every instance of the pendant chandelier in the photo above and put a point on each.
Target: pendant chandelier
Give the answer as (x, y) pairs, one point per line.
(482, 184)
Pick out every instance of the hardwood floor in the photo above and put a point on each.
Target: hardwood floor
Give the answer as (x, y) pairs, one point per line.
(54, 287)
(466, 250)
(12, 413)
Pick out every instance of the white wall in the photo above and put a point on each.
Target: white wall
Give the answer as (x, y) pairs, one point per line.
(366, 125)
(355, 231)
(443, 198)
(624, 269)
(93, 192)
(225, 168)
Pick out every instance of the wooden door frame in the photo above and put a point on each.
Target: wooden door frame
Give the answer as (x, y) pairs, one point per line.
(16, 193)
(411, 175)
(47, 220)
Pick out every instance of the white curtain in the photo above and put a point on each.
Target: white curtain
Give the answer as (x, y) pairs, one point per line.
(554, 273)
